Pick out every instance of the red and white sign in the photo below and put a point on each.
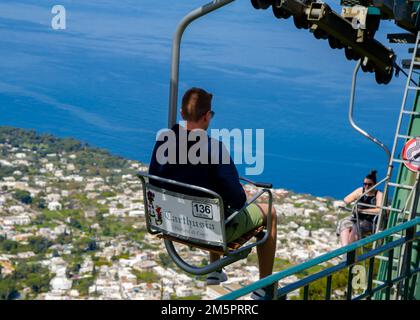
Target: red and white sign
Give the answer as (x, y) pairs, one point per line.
(411, 154)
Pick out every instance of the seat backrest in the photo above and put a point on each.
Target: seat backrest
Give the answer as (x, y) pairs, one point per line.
(195, 219)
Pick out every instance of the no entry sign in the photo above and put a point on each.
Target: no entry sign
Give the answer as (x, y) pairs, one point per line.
(411, 153)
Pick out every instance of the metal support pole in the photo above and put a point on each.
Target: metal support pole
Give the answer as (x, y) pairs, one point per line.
(176, 48)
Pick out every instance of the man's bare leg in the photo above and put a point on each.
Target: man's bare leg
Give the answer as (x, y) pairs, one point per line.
(353, 235)
(267, 250)
(345, 236)
(214, 257)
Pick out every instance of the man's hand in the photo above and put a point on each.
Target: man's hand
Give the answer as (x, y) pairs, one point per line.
(249, 192)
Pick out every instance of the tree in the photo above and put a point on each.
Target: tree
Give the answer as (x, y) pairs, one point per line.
(8, 290)
(22, 196)
(39, 202)
(64, 238)
(39, 244)
(75, 223)
(9, 246)
(38, 282)
(92, 246)
(32, 275)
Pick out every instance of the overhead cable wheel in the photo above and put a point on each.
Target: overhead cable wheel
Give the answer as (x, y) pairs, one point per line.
(298, 22)
(335, 43)
(351, 54)
(261, 4)
(355, 55)
(370, 67)
(332, 42)
(339, 44)
(378, 77)
(383, 78)
(388, 77)
(280, 12)
(320, 34)
(348, 53)
(364, 67)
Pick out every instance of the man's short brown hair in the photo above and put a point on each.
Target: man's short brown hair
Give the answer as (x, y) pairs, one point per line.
(196, 102)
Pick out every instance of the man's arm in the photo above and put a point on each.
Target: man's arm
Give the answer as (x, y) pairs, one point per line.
(153, 163)
(227, 179)
(232, 191)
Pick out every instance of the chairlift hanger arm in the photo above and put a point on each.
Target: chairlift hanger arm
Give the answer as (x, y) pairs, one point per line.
(176, 50)
(351, 108)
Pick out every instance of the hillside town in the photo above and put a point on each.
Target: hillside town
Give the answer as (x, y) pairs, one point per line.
(72, 226)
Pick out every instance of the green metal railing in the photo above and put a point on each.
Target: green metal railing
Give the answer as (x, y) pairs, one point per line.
(403, 280)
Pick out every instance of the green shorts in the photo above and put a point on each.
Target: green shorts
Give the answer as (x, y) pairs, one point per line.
(245, 221)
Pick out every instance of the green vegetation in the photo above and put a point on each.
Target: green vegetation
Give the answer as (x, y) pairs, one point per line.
(193, 297)
(8, 289)
(165, 260)
(38, 245)
(146, 276)
(99, 261)
(8, 246)
(82, 285)
(22, 196)
(26, 275)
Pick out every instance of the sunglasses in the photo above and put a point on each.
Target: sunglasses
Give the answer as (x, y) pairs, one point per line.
(367, 184)
(212, 113)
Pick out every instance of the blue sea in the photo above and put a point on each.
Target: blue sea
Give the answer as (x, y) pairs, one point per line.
(105, 80)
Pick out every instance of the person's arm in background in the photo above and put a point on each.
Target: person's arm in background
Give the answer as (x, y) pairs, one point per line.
(353, 196)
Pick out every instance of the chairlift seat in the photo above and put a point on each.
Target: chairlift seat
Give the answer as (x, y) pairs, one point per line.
(196, 221)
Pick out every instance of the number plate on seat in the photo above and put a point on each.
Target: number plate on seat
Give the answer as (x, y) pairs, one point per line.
(202, 210)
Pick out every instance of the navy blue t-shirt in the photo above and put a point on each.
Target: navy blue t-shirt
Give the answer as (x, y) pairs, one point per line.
(221, 177)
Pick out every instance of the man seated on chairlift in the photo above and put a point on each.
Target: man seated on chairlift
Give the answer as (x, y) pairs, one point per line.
(219, 176)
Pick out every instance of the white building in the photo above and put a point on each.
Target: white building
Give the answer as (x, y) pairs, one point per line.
(53, 206)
